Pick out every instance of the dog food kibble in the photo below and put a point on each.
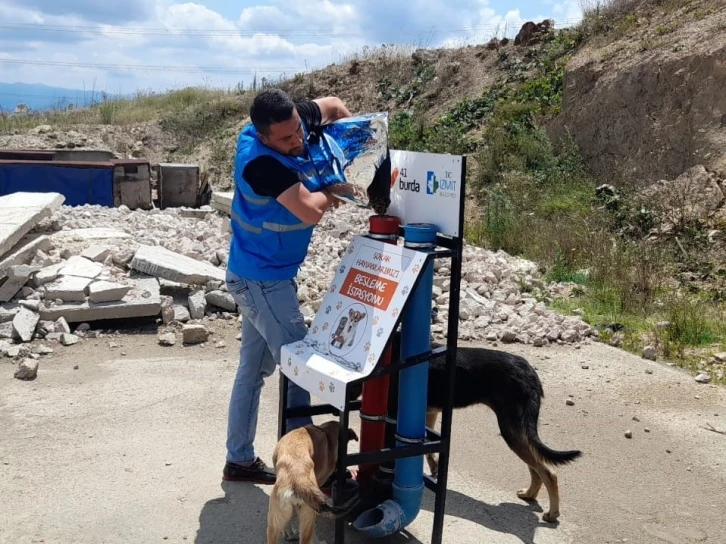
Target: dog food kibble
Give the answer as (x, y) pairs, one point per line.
(628, 434)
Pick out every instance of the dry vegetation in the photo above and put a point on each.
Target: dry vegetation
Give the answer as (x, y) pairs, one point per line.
(528, 196)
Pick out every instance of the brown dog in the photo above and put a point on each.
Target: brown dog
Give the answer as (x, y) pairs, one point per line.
(304, 459)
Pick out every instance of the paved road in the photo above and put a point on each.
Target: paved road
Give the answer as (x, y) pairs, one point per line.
(129, 449)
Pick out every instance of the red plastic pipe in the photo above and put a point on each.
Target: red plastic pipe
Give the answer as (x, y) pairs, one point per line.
(374, 402)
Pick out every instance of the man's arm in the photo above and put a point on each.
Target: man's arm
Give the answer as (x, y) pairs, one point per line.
(268, 177)
(306, 206)
(332, 108)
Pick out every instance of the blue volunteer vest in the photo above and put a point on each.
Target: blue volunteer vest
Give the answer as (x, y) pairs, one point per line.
(269, 242)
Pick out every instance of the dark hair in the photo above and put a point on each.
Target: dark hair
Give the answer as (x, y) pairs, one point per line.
(269, 107)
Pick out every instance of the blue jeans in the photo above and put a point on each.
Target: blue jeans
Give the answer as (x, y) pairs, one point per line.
(271, 317)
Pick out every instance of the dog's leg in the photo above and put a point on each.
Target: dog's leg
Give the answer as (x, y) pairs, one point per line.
(291, 532)
(432, 414)
(549, 478)
(534, 487)
(278, 517)
(306, 516)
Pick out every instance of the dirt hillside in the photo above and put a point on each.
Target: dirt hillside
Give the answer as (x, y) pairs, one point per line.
(645, 99)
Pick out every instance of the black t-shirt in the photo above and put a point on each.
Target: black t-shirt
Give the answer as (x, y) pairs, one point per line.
(269, 177)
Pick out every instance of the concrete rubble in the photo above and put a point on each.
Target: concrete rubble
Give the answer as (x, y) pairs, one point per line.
(61, 272)
(20, 212)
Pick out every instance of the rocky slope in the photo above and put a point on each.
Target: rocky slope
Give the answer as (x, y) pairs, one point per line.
(645, 101)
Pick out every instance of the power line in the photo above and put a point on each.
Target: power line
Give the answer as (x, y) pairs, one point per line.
(201, 32)
(153, 68)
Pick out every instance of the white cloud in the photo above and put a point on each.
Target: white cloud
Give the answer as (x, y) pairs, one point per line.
(273, 37)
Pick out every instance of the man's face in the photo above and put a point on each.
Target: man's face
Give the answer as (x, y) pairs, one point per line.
(286, 137)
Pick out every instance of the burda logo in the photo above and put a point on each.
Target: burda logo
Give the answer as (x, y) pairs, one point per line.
(408, 185)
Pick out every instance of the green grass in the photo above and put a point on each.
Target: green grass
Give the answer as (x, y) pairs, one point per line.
(538, 200)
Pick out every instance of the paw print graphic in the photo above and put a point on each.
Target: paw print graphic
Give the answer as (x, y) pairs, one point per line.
(350, 250)
(395, 312)
(325, 326)
(296, 371)
(376, 320)
(299, 352)
(315, 329)
(367, 347)
(332, 288)
(321, 386)
(331, 387)
(372, 358)
(289, 361)
(416, 268)
(379, 332)
(328, 309)
(341, 269)
(339, 306)
(406, 290)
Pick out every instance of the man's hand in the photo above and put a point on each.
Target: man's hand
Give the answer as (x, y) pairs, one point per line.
(341, 189)
(332, 108)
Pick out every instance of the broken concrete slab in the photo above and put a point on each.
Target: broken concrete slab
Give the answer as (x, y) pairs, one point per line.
(96, 233)
(61, 325)
(167, 309)
(7, 331)
(21, 271)
(10, 287)
(21, 350)
(222, 201)
(81, 267)
(221, 299)
(24, 251)
(142, 300)
(160, 262)
(30, 304)
(107, 291)
(21, 211)
(8, 311)
(68, 339)
(27, 369)
(197, 304)
(167, 339)
(96, 253)
(68, 289)
(24, 324)
(46, 274)
(195, 213)
(194, 334)
(181, 313)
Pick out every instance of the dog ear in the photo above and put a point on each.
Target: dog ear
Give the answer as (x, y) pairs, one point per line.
(352, 435)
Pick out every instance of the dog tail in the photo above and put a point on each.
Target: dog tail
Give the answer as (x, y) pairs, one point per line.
(323, 505)
(545, 453)
(554, 457)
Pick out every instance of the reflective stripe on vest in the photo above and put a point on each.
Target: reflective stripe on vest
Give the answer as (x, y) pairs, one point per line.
(262, 201)
(274, 227)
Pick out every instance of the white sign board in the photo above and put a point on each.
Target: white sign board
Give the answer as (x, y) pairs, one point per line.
(426, 188)
(357, 316)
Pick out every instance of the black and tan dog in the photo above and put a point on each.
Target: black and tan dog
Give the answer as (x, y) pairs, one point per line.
(510, 386)
(304, 459)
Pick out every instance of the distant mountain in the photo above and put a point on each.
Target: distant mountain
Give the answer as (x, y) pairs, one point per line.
(43, 97)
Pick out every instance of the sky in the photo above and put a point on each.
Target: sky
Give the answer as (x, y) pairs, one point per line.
(142, 45)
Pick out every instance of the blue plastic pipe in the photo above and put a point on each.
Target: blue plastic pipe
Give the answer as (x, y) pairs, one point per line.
(401, 509)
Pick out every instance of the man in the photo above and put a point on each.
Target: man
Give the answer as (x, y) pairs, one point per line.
(276, 205)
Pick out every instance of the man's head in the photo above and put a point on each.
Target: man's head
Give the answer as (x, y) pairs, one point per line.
(277, 122)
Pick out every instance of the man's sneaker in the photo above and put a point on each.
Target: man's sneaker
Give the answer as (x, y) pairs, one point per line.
(257, 472)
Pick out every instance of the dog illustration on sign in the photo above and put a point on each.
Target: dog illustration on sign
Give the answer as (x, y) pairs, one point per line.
(346, 333)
